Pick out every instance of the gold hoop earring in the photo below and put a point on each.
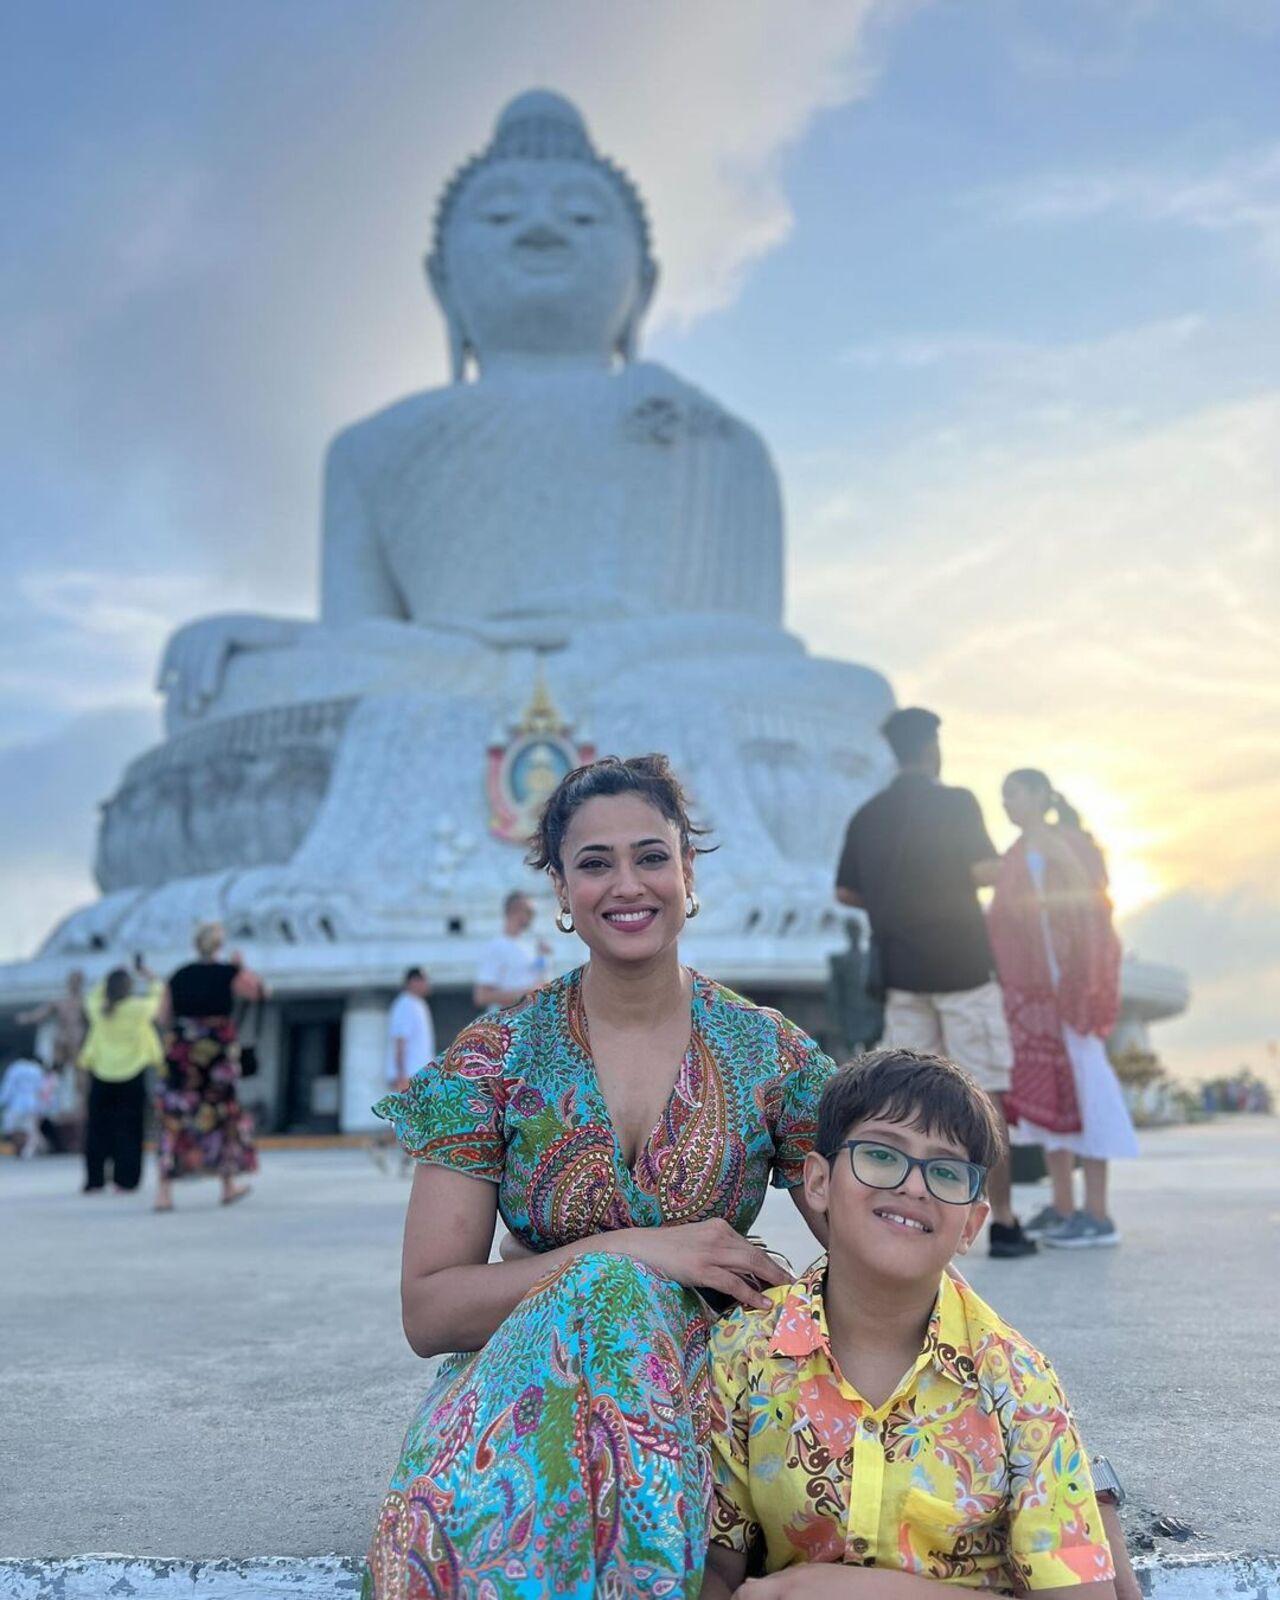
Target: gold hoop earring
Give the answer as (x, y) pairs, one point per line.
(692, 906)
(560, 916)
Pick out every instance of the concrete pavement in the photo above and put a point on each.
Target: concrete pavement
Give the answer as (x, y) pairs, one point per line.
(233, 1383)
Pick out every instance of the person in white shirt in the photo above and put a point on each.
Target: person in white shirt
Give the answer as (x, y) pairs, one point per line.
(411, 1043)
(411, 1034)
(515, 963)
(25, 1093)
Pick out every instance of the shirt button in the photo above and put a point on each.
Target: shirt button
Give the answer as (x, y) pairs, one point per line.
(869, 1423)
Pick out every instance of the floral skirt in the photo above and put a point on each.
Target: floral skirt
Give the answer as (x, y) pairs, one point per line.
(202, 1126)
(569, 1457)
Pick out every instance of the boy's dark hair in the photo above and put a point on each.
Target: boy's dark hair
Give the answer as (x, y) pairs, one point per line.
(411, 974)
(649, 776)
(910, 731)
(910, 1086)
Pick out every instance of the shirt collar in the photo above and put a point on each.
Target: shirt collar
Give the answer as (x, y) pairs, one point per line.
(801, 1328)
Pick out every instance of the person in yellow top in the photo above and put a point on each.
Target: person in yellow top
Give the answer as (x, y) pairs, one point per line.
(121, 1044)
(881, 1429)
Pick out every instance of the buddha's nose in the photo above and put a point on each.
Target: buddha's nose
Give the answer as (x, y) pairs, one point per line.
(541, 237)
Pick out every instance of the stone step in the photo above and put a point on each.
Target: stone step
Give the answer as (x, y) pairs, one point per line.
(96, 1577)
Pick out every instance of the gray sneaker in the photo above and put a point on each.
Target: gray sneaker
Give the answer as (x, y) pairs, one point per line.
(1045, 1222)
(1082, 1232)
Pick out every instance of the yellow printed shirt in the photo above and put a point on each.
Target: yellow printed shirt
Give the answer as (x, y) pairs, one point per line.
(971, 1473)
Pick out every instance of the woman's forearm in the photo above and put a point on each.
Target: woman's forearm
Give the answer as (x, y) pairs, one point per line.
(460, 1308)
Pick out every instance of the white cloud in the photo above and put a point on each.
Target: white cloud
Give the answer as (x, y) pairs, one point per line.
(1106, 612)
(1238, 195)
(1231, 941)
(738, 85)
(1062, 363)
(52, 788)
(81, 640)
(1023, 389)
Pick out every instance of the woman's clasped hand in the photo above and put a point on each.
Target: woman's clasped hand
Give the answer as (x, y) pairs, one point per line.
(696, 1255)
(705, 1255)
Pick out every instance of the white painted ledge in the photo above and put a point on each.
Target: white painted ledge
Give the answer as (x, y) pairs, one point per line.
(95, 1577)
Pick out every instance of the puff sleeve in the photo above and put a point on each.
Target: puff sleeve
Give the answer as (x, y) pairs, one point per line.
(452, 1113)
(805, 1071)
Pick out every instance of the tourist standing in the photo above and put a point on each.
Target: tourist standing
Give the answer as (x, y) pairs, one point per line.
(122, 1043)
(203, 1128)
(1059, 962)
(23, 1097)
(67, 1023)
(411, 1043)
(70, 1022)
(909, 861)
(626, 1121)
(515, 963)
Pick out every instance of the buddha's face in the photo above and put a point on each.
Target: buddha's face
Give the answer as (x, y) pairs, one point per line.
(540, 257)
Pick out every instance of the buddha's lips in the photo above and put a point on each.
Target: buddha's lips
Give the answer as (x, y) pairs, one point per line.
(540, 248)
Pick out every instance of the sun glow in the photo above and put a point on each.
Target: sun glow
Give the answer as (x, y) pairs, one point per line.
(1129, 845)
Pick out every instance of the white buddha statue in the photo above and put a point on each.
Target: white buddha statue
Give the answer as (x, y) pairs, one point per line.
(561, 499)
(557, 490)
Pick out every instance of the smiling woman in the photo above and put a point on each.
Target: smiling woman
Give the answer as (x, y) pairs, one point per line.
(625, 1122)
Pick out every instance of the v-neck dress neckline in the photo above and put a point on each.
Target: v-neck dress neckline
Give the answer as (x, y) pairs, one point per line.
(580, 1033)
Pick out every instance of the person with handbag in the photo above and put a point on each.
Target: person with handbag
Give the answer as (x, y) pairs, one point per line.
(914, 856)
(203, 1129)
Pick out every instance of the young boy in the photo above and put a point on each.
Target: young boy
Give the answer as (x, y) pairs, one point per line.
(883, 1430)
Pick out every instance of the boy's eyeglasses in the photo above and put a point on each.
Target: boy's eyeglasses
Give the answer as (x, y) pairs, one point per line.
(881, 1166)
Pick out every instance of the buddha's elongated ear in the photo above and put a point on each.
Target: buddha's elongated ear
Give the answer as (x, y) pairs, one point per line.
(629, 338)
(459, 344)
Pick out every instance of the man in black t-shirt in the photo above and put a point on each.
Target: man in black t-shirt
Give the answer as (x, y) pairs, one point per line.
(909, 861)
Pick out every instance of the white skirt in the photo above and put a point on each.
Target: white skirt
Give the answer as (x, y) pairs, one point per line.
(1106, 1128)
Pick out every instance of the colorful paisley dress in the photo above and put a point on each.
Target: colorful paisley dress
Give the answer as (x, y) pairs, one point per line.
(570, 1456)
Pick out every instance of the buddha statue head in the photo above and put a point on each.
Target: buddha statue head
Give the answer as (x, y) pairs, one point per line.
(541, 245)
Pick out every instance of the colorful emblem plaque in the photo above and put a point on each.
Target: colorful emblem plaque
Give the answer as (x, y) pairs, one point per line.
(539, 751)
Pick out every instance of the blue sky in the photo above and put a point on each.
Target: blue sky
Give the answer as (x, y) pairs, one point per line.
(997, 281)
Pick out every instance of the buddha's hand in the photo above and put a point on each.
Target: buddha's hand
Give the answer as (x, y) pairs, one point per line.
(195, 659)
(705, 1255)
(521, 633)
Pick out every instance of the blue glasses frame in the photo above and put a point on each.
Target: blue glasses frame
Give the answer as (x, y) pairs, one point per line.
(975, 1173)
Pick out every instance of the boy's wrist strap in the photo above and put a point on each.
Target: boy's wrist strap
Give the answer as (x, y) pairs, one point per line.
(1106, 1482)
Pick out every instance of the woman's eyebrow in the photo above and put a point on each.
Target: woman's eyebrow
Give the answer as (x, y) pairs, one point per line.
(607, 849)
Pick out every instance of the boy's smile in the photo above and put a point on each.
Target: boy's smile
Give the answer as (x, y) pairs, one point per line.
(899, 1217)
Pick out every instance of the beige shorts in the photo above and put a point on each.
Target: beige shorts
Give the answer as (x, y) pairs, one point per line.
(967, 1026)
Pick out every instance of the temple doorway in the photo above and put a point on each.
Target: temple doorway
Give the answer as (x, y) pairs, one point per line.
(310, 1085)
